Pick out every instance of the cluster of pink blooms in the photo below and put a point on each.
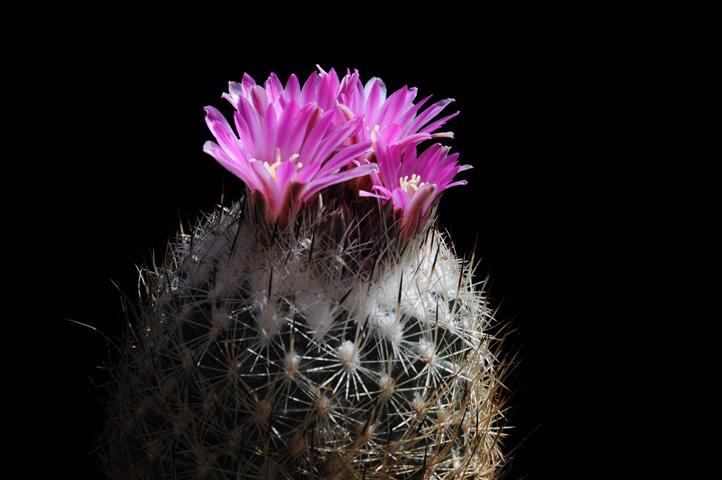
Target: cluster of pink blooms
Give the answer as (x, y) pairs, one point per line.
(290, 142)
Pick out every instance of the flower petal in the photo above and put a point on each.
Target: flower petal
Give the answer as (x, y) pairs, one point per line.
(313, 187)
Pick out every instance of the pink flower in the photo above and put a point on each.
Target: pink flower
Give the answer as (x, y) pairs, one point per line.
(413, 182)
(395, 126)
(396, 119)
(289, 142)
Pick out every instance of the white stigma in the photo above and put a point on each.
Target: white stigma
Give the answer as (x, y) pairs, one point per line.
(414, 183)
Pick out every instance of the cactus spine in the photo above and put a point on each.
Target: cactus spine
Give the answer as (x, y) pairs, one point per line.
(309, 332)
(263, 354)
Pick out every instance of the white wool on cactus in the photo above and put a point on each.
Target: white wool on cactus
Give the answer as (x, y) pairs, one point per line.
(322, 328)
(262, 355)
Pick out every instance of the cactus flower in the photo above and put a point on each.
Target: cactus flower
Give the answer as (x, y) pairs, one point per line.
(413, 182)
(330, 350)
(289, 143)
(396, 119)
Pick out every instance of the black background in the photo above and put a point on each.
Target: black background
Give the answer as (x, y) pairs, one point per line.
(588, 212)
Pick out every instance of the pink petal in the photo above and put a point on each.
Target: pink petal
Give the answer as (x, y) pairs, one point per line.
(384, 194)
(247, 83)
(375, 92)
(336, 138)
(414, 139)
(364, 193)
(417, 209)
(293, 90)
(267, 187)
(259, 99)
(394, 106)
(438, 123)
(456, 184)
(313, 141)
(328, 90)
(400, 199)
(308, 92)
(296, 130)
(215, 151)
(315, 186)
(284, 173)
(252, 120)
(273, 87)
(418, 106)
(223, 133)
(235, 90)
(428, 114)
(243, 131)
(238, 167)
(345, 156)
(287, 130)
(269, 135)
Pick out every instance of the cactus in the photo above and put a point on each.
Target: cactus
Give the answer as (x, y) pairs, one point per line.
(313, 333)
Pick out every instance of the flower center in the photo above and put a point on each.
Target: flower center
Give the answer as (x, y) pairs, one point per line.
(271, 167)
(414, 183)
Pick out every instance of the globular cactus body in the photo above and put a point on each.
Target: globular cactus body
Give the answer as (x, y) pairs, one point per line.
(325, 348)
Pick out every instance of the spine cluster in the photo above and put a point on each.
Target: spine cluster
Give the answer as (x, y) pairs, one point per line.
(261, 353)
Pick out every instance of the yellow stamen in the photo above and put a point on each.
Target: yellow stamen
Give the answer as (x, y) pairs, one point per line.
(272, 167)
